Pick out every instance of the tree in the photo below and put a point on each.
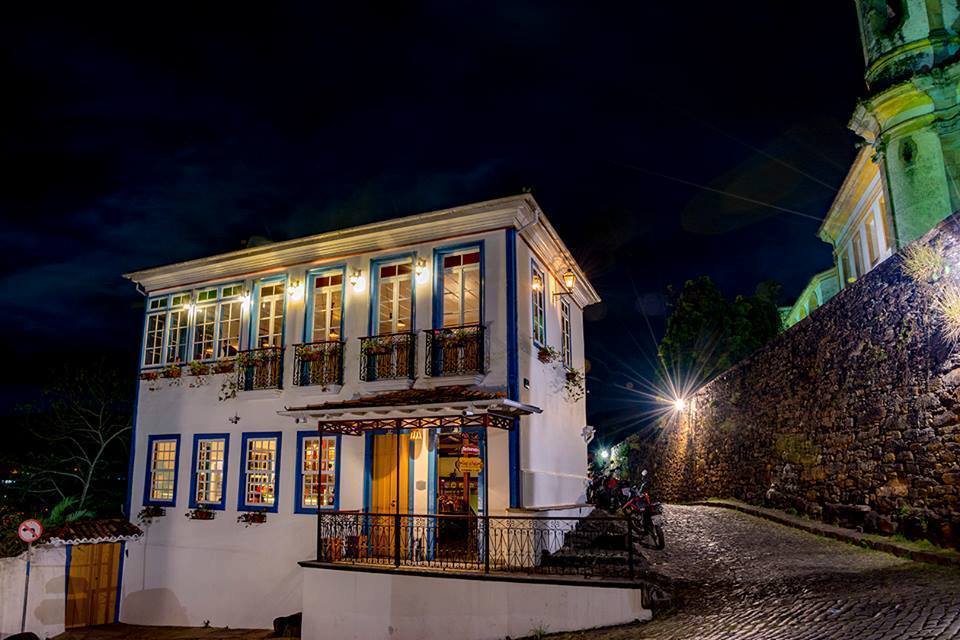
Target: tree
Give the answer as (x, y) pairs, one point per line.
(707, 334)
(79, 439)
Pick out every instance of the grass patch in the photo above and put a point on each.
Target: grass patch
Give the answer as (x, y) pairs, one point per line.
(947, 305)
(923, 262)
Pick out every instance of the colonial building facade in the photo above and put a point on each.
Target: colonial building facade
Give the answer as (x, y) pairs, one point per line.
(904, 180)
(428, 365)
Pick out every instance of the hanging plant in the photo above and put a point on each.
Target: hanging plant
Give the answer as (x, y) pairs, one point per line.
(149, 514)
(198, 368)
(574, 384)
(172, 371)
(252, 517)
(228, 390)
(150, 375)
(202, 512)
(546, 354)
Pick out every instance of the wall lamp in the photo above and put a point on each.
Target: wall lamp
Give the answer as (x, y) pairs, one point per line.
(421, 270)
(356, 280)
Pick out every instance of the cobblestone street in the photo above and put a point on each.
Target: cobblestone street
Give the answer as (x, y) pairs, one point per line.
(743, 577)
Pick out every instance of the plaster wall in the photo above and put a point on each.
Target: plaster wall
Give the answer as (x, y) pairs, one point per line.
(355, 605)
(46, 601)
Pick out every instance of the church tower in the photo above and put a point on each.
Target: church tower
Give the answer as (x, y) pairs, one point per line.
(911, 113)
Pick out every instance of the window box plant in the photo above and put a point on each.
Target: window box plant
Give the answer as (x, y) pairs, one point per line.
(256, 357)
(377, 348)
(252, 517)
(150, 513)
(171, 371)
(198, 368)
(457, 338)
(546, 355)
(223, 366)
(574, 384)
(313, 353)
(150, 375)
(202, 512)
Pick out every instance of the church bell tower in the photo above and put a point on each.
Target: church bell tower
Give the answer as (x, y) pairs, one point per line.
(911, 113)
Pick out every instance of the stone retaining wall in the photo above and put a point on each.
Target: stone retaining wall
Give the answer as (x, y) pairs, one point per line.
(851, 415)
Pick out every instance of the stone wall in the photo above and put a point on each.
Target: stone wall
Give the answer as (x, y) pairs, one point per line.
(850, 415)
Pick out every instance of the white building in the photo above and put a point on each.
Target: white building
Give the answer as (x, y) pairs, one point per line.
(415, 345)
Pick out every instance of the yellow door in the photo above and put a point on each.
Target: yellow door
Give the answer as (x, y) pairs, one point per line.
(383, 491)
(92, 584)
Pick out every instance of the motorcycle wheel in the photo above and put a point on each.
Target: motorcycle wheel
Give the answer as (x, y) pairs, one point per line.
(658, 540)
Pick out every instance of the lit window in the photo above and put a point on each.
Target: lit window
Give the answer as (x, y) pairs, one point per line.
(271, 298)
(162, 473)
(204, 326)
(566, 344)
(394, 298)
(318, 472)
(209, 470)
(327, 305)
(538, 297)
(260, 468)
(461, 288)
(153, 341)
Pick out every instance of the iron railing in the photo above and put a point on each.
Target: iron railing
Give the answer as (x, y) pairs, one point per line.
(388, 356)
(260, 369)
(318, 363)
(455, 351)
(601, 546)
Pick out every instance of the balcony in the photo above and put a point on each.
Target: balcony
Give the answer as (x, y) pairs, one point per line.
(455, 351)
(318, 364)
(390, 356)
(260, 369)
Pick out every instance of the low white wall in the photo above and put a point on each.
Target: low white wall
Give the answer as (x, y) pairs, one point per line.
(46, 602)
(367, 606)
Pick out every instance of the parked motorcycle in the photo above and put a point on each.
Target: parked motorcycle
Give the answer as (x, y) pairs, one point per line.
(645, 514)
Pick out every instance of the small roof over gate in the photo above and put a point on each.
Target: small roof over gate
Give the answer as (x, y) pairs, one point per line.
(93, 532)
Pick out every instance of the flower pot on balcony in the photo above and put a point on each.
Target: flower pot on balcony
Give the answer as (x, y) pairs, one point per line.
(200, 513)
(252, 517)
(172, 371)
(225, 366)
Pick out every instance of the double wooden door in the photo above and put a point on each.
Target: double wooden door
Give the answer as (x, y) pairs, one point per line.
(92, 584)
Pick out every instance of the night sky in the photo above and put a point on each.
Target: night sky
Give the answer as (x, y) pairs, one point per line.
(133, 138)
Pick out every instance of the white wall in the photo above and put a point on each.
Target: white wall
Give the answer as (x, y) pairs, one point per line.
(357, 605)
(46, 602)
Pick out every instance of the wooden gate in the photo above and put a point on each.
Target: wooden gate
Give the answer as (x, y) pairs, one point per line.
(92, 584)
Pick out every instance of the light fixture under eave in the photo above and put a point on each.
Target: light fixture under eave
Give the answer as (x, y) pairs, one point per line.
(295, 290)
(569, 279)
(356, 280)
(245, 301)
(421, 270)
(536, 283)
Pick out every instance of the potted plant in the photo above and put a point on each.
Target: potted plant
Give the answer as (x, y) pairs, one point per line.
(198, 368)
(150, 513)
(223, 366)
(546, 355)
(150, 375)
(172, 371)
(377, 348)
(248, 518)
(312, 353)
(202, 512)
(456, 339)
(574, 384)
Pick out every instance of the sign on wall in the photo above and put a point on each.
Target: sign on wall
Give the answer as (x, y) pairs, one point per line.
(469, 465)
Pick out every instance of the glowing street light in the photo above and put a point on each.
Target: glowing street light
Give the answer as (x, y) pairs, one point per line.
(605, 454)
(679, 404)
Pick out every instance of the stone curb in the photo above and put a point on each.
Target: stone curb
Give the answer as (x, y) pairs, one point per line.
(944, 558)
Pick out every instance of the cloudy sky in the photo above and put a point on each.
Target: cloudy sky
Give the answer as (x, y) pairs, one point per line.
(135, 137)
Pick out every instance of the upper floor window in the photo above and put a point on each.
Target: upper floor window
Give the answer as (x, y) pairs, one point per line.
(538, 305)
(327, 307)
(566, 335)
(461, 288)
(270, 313)
(317, 473)
(259, 471)
(394, 298)
(165, 334)
(161, 476)
(209, 470)
(216, 322)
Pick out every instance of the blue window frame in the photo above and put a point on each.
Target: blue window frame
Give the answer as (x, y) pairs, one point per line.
(160, 478)
(443, 255)
(208, 470)
(166, 329)
(259, 471)
(269, 305)
(318, 472)
(405, 260)
(321, 286)
(538, 305)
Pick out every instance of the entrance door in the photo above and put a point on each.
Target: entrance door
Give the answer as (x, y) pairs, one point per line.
(92, 584)
(386, 476)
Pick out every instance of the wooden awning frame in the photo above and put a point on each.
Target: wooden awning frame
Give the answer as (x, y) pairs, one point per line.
(358, 427)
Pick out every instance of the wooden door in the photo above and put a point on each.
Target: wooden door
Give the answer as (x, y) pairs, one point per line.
(386, 477)
(92, 584)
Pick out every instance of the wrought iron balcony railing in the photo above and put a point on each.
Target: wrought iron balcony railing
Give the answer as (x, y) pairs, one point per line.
(455, 351)
(603, 546)
(260, 369)
(389, 356)
(318, 363)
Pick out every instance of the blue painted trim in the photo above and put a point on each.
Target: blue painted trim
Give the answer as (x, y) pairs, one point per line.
(128, 501)
(147, 502)
(255, 311)
(438, 255)
(375, 265)
(311, 279)
(197, 437)
(431, 489)
(367, 470)
(513, 365)
(242, 494)
(298, 491)
(410, 467)
(116, 606)
(66, 580)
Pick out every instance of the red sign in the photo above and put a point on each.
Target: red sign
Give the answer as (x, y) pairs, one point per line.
(30, 531)
(469, 451)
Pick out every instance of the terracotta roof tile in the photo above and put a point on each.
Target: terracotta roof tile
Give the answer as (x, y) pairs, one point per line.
(89, 531)
(407, 397)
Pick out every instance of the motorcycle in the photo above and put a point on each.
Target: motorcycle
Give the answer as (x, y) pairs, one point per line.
(645, 515)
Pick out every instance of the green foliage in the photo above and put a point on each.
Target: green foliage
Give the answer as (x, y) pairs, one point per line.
(67, 510)
(707, 333)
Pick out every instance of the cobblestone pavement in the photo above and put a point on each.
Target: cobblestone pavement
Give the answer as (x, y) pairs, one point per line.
(740, 577)
(135, 632)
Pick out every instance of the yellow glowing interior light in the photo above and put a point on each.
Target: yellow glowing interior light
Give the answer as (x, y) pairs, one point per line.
(537, 282)
(569, 279)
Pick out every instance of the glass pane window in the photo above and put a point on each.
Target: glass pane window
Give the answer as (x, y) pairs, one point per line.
(163, 470)
(209, 470)
(153, 341)
(394, 294)
(327, 307)
(566, 344)
(228, 341)
(538, 304)
(270, 315)
(461, 288)
(204, 326)
(318, 472)
(260, 465)
(177, 335)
